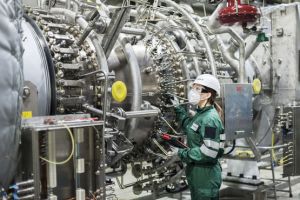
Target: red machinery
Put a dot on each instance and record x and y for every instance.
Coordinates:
(237, 12)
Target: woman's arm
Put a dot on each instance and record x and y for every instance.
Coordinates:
(208, 151)
(182, 116)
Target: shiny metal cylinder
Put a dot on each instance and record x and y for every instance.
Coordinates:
(141, 113)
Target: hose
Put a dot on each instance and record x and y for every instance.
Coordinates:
(232, 148)
(72, 151)
(135, 75)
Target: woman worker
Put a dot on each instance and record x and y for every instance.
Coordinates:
(205, 139)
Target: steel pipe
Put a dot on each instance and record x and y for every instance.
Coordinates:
(135, 75)
(184, 38)
(133, 31)
(199, 31)
(141, 113)
(241, 68)
(212, 21)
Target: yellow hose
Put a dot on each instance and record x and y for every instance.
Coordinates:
(273, 151)
(72, 151)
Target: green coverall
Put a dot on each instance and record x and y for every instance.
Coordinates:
(205, 139)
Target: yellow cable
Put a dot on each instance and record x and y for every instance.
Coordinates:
(273, 152)
(285, 159)
(285, 162)
(72, 151)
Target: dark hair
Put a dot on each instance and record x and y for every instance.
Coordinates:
(213, 96)
(212, 99)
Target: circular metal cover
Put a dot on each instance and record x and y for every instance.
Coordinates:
(38, 67)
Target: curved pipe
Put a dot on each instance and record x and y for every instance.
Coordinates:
(199, 31)
(136, 81)
(231, 61)
(184, 38)
(70, 15)
(251, 45)
(255, 67)
(227, 55)
(101, 58)
(134, 31)
(212, 21)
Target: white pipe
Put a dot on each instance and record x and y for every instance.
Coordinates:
(70, 15)
(135, 76)
(241, 42)
(227, 55)
(212, 21)
(251, 45)
(133, 31)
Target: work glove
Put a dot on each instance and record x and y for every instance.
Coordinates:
(173, 151)
(174, 100)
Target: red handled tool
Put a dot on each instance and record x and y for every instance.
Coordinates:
(173, 141)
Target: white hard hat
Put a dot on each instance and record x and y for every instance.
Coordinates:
(208, 81)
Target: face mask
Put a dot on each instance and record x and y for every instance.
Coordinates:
(194, 97)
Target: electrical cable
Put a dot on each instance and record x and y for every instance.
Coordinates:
(232, 148)
(72, 151)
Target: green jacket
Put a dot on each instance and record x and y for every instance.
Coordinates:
(205, 139)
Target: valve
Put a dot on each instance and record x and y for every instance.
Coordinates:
(235, 12)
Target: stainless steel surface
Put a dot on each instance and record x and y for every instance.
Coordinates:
(30, 100)
(199, 30)
(141, 114)
(158, 54)
(80, 165)
(35, 165)
(241, 68)
(80, 194)
(254, 148)
(243, 169)
(238, 110)
(117, 22)
(136, 82)
(36, 70)
(51, 168)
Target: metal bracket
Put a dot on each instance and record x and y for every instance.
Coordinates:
(114, 28)
(30, 98)
(253, 147)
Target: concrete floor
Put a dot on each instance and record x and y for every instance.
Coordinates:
(127, 194)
